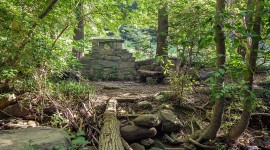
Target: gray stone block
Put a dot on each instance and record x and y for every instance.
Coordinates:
(132, 59)
(127, 65)
(112, 58)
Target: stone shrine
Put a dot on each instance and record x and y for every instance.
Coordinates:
(108, 61)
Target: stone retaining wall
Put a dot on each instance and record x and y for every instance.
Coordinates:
(108, 61)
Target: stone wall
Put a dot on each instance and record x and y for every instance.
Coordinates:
(108, 61)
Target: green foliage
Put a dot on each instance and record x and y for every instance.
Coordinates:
(263, 93)
(220, 146)
(72, 90)
(32, 146)
(159, 144)
(151, 81)
(57, 120)
(141, 42)
(190, 30)
(78, 142)
(180, 83)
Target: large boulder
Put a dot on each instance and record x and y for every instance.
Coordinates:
(169, 121)
(137, 146)
(147, 120)
(133, 132)
(39, 138)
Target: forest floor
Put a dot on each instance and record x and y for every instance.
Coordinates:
(194, 110)
(195, 107)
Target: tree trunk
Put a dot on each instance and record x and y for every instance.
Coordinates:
(216, 119)
(248, 73)
(162, 33)
(246, 22)
(110, 138)
(79, 32)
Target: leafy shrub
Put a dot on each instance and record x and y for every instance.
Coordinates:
(78, 142)
(72, 90)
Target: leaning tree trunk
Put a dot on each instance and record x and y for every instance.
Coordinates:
(110, 138)
(248, 73)
(216, 119)
(162, 44)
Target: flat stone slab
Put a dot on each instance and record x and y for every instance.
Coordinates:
(148, 73)
(109, 85)
(125, 99)
(40, 138)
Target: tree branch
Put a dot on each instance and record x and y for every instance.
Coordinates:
(41, 16)
(47, 10)
(58, 36)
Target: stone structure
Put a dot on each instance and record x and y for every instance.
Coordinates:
(109, 61)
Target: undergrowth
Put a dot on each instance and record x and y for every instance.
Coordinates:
(71, 104)
(180, 83)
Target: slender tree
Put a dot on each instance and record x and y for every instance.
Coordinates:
(162, 44)
(216, 119)
(248, 73)
(79, 31)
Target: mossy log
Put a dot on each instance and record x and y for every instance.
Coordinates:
(110, 138)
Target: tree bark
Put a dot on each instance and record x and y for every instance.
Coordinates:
(246, 22)
(162, 33)
(248, 73)
(110, 138)
(216, 119)
(79, 32)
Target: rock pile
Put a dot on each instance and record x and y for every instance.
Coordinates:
(146, 126)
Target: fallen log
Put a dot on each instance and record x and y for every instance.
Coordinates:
(110, 138)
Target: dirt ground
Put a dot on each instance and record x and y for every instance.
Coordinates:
(116, 88)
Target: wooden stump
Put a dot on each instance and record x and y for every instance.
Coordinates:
(110, 138)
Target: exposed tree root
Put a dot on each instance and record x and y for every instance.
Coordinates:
(260, 114)
(172, 139)
(200, 145)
